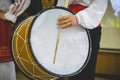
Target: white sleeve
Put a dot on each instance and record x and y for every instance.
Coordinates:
(92, 16)
(17, 9)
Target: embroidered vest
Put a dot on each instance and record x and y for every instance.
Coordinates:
(5, 39)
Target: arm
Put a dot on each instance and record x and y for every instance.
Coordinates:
(88, 18)
(16, 9)
(92, 16)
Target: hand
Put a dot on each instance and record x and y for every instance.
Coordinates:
(16, 9)
(2, 15)
(17, 6)
(67, 21)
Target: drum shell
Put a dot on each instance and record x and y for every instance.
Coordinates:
(24, 55)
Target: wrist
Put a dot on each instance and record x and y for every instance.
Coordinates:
(10, 17)
(76, 20)
(2, 16)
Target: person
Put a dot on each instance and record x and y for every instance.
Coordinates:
(38, 5)
(116, 7)
(9, 11)
(34, 8)
(88, 14)
(115, 16)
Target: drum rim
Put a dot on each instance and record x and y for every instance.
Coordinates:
(49, 72)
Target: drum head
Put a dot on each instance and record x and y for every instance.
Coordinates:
(71, 50)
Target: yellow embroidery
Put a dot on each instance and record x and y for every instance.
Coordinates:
(47, 3)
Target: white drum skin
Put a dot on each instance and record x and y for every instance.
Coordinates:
(73, 49)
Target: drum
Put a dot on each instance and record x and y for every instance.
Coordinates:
(43, 51)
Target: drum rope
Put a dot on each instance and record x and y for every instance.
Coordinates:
(59, 34)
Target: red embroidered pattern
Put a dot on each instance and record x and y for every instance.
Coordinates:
(5, 39)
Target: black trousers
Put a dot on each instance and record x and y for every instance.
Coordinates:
(88, 73)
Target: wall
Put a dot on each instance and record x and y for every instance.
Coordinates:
(110, 30)
(108, 61)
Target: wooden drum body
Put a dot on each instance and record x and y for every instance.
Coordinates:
(43, 52)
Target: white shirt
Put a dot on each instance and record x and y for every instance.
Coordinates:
(92, 15)
(12, 11)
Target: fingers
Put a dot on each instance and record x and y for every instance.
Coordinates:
(18, 6)
(65, 25)
(63, 20)
(67, 21)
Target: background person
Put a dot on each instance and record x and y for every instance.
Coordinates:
(9, 11)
